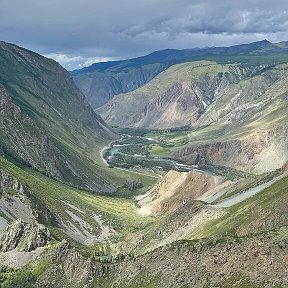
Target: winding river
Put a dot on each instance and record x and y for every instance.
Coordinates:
(115, 146)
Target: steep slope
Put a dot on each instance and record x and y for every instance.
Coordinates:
(234, 262)
(225, 263)
(248, 133)
(100, 82)
(100, 87)
(45, 121)
(198, 93)
(176, 97)
(23, 140)
(22, 242)
(256, 151)
(176, 188)
(232, 250)
(240, 110)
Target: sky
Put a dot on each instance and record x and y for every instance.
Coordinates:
(77, 33)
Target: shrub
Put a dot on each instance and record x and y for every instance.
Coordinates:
(133, 185)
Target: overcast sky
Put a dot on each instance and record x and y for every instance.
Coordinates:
(77, 33)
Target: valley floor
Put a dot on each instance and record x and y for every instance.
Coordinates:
(176, 224)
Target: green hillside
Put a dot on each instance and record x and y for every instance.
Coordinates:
(47, 124)
(192, 93)
(100, 82)
(72, 215)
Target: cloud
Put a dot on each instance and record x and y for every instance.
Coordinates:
(97, 30)
(76, 62)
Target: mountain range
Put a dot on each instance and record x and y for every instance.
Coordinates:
(100, 82)
(89, 192)
(237, 102)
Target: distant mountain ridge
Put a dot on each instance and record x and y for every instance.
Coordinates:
(100, 82)
(237, 103)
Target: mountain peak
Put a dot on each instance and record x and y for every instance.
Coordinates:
(264, 41)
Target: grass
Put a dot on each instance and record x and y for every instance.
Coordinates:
(265, 211)
(174, 139)
(143, 280)
(119, 213)
(157, 150)
(248, 183)
(16, 278)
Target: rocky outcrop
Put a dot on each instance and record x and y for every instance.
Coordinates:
(250, 261)
(176, 189)
(176, 97)
(18, 202)
(247, 98)
(23, 140)
(260, 152)
(9, 182)
(24, 236)
(71, 267)
(22, 242)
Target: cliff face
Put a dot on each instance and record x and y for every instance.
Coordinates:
(24, 237)
(176, 189)
(176, 97)
(200, 93)
(181, 105)
(14, 204)
(100, 82)
(46, 122)
(100, 87)
(260, 152)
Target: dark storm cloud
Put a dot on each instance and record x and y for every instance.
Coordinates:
(80, 32)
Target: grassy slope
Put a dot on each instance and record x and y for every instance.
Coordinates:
(239, 65)
(118, 212)
(265, 211)
(273, 114)
(46, 93)
(156, 87)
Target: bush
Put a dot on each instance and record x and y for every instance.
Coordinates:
(133, 185)
(14, 278)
